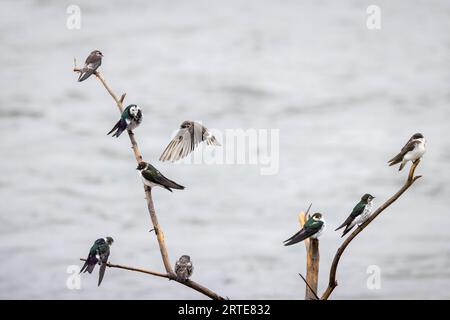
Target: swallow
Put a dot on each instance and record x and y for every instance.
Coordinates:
(360, 213)
(93, 61)
(130, 119)
(184, 268)
(152, 177)
(413, 150)
(98, 254)
(313, 228)
(186, 140)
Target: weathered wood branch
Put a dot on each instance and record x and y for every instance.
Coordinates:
(148, 194)
(312, 261)
(332, 283)
(189, 283)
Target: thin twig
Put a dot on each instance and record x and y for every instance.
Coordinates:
(332, 283)
(312, 290)
(148, 194)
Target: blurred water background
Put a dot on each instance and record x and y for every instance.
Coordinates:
(345, 99)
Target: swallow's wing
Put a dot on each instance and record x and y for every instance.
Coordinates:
(299, 236)
(347, 221)
(180, 146)
(409, 146)
(310, 228)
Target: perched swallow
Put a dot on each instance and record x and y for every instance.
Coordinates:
(313, 228)
(412, 151)
(99, 253)
(130, 119)
(152, 177)
(93, 61)
(184, 268)
(359, 214)
(186, 140)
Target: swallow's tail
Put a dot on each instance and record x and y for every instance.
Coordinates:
(397, 159)
(346, 223)
(120, 126)
(101, 273)
(347, 230)
(89, 265)
(84, 74)
(299, 236)
(402, 165)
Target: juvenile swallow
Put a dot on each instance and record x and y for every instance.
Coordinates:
(130, 119)
(184, 268)
(152, 177)
(359, 214)
(313, 228)
(186, 140)
(99, 253)
(93, 61)
(413, 150)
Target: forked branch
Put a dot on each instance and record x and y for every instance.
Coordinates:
(332, 283)
(151, 209)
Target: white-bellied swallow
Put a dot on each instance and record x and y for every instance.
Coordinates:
(189, 135)
(313, 228)
(93, 61)
(413, 150)
(153, 178)
(359, 214)
(130, 119)
(99, 253)
(184, 268)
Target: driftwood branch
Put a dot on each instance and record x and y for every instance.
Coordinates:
(189, 283)
(332, 283)
(151, 209)
(312, 261)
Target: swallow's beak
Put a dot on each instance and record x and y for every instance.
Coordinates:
(137, 168)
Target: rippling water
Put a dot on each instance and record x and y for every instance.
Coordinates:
(344, 98)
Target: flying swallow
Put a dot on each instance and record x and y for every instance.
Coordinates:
(359, 214)
(413, 150)
(130, 119)
(313, 228)
(93, 61)
(99, 253)
(186, 140)
(152, 177)
(184, 268)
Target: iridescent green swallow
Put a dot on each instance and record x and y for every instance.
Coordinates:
(153, 178)
(359, 214)
(313, 228)
(130, 119)
(99, 253)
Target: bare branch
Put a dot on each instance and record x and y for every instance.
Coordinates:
(312, 290)
(189, 283)
(332, 283)
(156, 227)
